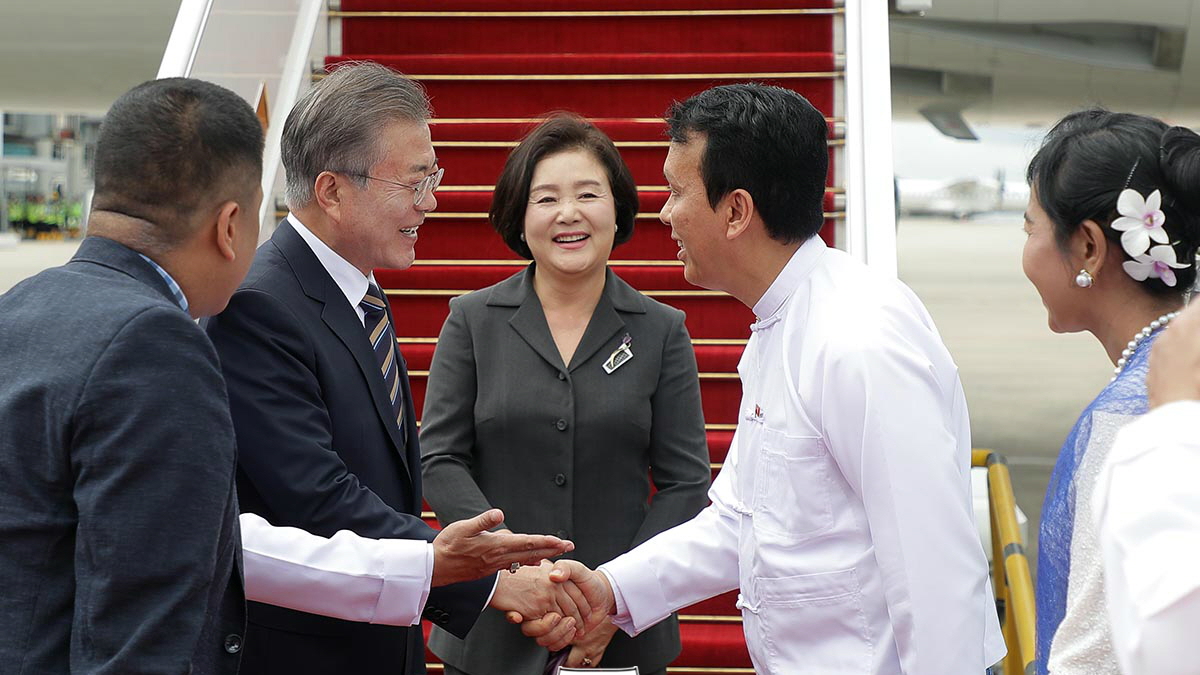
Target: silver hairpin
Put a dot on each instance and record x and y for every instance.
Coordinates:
(1130, 176)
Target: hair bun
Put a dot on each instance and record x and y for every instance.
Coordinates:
(1179, 161)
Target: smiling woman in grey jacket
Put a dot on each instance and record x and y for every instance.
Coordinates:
(557, 393)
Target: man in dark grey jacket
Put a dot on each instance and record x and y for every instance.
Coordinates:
(118, 519)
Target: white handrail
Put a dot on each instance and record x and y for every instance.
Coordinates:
(295, 72)
(185, 38)
(870, 181)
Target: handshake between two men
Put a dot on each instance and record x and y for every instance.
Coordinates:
(555, 603)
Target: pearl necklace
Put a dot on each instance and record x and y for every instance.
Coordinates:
(1160, 322)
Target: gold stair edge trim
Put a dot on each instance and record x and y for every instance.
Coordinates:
(613, 77)
(594, 120)
(703, 376)
(641, 216)
(619, 144)
(833, 190)
(671, 669)
(453, 262)
(442, 292)
(730, 342)
(582, 14)
(604, 77)
(707, 427)
(513, 144)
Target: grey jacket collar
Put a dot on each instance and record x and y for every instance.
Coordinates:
(117, 256)
(530, 322)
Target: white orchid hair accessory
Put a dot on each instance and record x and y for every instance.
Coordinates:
(1159, 263)
(1141, 222)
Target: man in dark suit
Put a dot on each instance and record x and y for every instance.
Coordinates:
(119, 536)
(326, 431)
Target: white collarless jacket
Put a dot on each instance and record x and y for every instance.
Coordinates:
(843, 512)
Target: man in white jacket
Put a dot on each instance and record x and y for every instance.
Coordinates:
(843, 512)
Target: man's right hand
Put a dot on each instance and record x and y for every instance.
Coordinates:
(595, 589)
(465, 550)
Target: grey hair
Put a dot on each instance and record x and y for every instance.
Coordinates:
(335, 126)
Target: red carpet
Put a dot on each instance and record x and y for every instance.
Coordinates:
(492, 68)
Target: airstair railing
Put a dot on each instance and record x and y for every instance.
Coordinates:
(180, 54)
(867, 161)
(1010, 567)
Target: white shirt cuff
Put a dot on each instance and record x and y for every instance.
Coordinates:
(621, 619)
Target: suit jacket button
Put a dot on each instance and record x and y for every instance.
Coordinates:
(560, 480)
(233, 643)
(561, 424)
(561, 376)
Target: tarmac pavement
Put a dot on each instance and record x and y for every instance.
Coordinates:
(1025, 385)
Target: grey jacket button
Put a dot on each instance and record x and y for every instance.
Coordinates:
(560, 480)
(233, 643)
(561, 376)
(561, 424)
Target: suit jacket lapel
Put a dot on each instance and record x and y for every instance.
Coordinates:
(528, 321)
(343, 322)
(604, 324)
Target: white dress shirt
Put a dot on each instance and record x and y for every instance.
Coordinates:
(384, 581)
(348, 278)
(1147, 513)
(843, 513)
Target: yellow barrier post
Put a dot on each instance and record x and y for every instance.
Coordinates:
(1010, 567)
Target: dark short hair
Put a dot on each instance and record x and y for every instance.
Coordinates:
(168, 147)
(336, 125)
(768, 141)
(558, 133)
(1090, 156)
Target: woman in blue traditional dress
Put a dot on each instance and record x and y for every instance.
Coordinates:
(1113, 225)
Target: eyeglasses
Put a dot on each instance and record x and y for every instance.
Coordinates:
(423, 188)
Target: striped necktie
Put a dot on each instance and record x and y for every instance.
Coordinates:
(383, 341)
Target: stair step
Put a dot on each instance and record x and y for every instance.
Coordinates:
(707, 646)
(641, 6)
(720, 393)
(660, 66)
(709, 358)
(480, 162)
(650, 202)
(630, 96)
(471, 277)
(514, 129)
(709, 315)
(631, 87)
(604, 32)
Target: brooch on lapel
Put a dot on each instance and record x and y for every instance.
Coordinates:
(620, 356)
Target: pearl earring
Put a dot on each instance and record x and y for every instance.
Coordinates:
(522, 236)
(1084, 279)
(616, 228)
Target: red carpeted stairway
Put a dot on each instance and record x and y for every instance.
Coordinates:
(491, 68)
